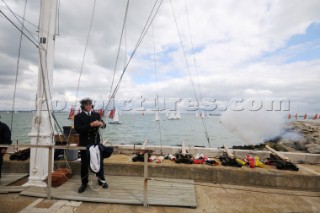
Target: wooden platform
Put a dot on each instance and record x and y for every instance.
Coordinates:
(125, 190)
(7, 179)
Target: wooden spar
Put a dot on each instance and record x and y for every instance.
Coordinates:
(285, 158)
(49, 174)
(230, 155)
(145, 175)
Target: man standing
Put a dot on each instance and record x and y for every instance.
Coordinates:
(5, 138)
(87, 124)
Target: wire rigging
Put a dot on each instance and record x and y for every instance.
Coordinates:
(157, 90)
(149, 21)
(35, 43)
(21, 22)
(196, 69)
(119, 46)
(85, 50)
(192, 48)
(188, 68)
(18, 65)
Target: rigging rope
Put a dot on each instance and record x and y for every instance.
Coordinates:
(18, 64)
(188, 68)
(35, 43)
(149, 21)
(21, 22)
(85, 50)
(157, 91)
(118, 52)
(196, 69)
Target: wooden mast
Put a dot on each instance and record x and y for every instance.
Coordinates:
(42, 124)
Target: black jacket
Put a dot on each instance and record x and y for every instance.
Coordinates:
(5, 134)
(87, 134)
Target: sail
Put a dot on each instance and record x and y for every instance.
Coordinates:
(71, 113)
(172, 116)
(289, 116)
(112, 112)
(197, 114)
(178, 115)
(315, 117)
(101, 112)
(305, 116)
(157, 118)
(116, 116)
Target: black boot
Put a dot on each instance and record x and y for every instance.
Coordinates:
(82, 188)
(104, 185)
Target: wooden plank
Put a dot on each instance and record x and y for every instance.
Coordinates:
(125, 190)
(145, 175)
(9, 178)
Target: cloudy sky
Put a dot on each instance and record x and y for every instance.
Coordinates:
(230, 49)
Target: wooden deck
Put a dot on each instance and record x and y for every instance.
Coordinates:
(7, 179)
(125, 190)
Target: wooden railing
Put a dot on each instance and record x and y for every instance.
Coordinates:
(116, 150)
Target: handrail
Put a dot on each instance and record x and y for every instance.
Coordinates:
(117, 149)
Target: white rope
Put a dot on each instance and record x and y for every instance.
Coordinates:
(85, 50)
(18, 65)
(188, 68)
(149, 21)
(157, 90)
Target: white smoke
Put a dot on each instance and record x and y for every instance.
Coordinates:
(254, 127)
(293, 136)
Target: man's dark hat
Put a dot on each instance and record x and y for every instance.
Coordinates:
(86, 101)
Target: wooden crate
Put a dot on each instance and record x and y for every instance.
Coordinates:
(60, 176)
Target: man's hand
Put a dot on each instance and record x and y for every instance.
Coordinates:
(96, 124)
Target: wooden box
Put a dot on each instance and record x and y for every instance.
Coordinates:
(60, 176)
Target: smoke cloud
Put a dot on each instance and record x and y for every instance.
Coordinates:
(254, 127)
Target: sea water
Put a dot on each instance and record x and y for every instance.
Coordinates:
(136, 128)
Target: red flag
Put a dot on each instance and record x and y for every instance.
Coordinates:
(305, 116)
(289, 116)
(296, 116)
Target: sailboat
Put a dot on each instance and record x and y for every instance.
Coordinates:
(315, 117)
(100, 111)
(71, 113)
(114, 115)
(157, 117)
(203, 114)
(178, 115)
(174, 115)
